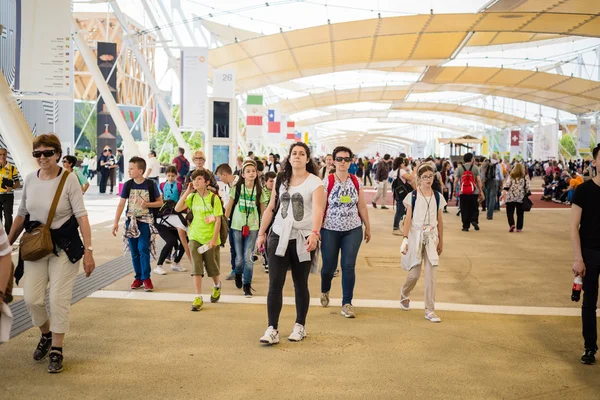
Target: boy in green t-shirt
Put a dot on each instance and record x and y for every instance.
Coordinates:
(203, 231)
(246, 205)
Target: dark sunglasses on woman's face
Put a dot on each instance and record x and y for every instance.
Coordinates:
(340, 159)
(45, 153)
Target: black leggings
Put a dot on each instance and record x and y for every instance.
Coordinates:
(171, 238)
(591, 258)
(510, 214)
(278, 267)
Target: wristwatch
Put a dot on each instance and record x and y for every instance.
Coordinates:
(90, 249)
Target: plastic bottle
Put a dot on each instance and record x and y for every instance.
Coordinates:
(203, 249)
(577, 284)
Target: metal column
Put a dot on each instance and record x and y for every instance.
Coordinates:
(149, 77)
(111, 105)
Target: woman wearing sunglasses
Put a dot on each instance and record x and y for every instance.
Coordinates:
(58, 270)
(345, 213)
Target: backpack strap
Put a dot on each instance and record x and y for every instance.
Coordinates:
(330, 184)
(151, 190)
(236, 199)
(414, 201)
(355, 181)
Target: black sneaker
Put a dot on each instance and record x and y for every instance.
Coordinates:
(43, 348)
(254, 258)
(475, 225)
(374, 205)
(266, 269)
(588, 357)
(56, 362)
(238, 281)
(248, 290)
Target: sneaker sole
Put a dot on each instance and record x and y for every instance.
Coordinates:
(196, 308)
(214, 299)
(268, 343)
(248, 296)
(295, 341)
(148, 290)
(348, 315)
(158, 273)
(435, 322)
(43, 358)
(55, 371)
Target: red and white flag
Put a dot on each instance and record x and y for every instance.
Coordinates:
(515, 138)
(291, 125)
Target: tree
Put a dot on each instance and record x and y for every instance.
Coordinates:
(567, 146)
(82, 112)
(165, 144)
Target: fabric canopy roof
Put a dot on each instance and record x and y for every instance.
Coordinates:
(461, 140)
(419, 40)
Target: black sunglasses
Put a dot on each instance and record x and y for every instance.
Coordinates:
(45, 153)
(340, 159)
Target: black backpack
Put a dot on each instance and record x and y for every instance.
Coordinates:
(400, 189)
(490, 172)
(436, 185)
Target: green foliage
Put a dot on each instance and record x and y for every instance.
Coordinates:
(567, 146)
(164, 141)
(81, 114)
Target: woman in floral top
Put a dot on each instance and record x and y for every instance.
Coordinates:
(515, 188)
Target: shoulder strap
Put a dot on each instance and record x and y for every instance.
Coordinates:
(151, 190)
(236, 200)
(355, 181)
(330, 184)
(413, 202)
(437, 200)
(57, 195)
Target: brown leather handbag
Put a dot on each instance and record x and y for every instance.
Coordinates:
(37, 244)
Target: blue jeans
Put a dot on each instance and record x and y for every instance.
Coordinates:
(349, 243)
(244, 247)
(140, 252)
(491, 192)
(570, 195)
(400, 211)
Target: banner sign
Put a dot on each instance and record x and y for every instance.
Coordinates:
(254, 117)
(545, 142)
(515, 144)
(583, 135)
(224, 83)
(106, 129)
(44, 46)
(194, 82)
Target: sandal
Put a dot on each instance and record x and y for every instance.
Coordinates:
(403, 306)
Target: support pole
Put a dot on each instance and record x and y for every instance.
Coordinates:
(111, 105)
(149, 77)
(173, 64)
(15, 131)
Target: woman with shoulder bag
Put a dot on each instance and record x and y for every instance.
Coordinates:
(58, 269)
(516, 189)
(294, 237)
(345, 212)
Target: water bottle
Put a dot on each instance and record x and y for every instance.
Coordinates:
(577, 284)
(203, 249)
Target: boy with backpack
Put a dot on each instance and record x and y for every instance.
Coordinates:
(230, 179)
(492, 181)
(204, 233)
(140, 195)
(468, 181)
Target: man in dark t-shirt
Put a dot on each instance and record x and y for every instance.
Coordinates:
(585, 238)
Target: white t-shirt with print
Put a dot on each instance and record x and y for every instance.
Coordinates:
(296, 203)
(342, 217)
(425, 209)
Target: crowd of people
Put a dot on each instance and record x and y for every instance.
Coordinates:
(300, 214)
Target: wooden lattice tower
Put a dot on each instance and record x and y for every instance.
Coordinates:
(133, 88)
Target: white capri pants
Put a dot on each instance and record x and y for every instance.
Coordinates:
(59, 274)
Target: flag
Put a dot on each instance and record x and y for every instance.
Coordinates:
(131, 116)
(515, 138)
(305, 137)
(274, 122)
(298, 136)
(254, 116)
(290, 130)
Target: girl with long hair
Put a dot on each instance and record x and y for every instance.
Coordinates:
(296, 210)
(446, 183)
(516, 187)
(423, 239)
(247, 204)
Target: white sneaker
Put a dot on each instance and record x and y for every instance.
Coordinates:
(271, 336)
(159, 270)
(298, 333)
(432, 317)
(177, 268)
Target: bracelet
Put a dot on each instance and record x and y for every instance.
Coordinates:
(261, 234)
(315, 232)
